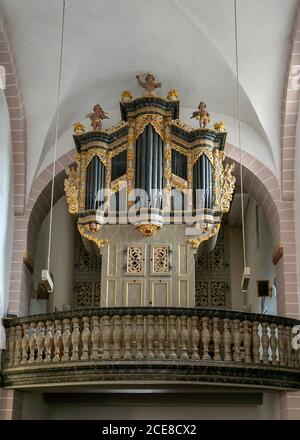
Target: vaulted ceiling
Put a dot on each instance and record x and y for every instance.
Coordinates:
(188, 45)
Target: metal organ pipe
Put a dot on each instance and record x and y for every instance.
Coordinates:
(149, 165)
(95, 178)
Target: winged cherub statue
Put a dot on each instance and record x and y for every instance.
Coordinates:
(149, 83)
(96, 117)
(202, 115)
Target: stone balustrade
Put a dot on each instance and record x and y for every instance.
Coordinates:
(210, 345)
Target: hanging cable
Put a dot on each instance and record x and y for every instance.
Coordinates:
(239, 131)
(56, 133)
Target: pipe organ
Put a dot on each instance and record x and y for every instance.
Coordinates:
(150, 192)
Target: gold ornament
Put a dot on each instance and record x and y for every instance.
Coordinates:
(173, 95)
(78, 128)
(126, 96)
(156, 121)
(220, 127)
(196, 242)
(227, 183)
(148, 229)
(71, 186)
(82, 230)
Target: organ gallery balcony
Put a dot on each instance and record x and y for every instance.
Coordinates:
(122, 345)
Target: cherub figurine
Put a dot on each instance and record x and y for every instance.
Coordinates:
(202, 115)
(96, 117)
(149, 84)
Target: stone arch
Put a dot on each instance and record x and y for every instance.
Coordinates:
(289, 114)
(264, 187)
(16, 110)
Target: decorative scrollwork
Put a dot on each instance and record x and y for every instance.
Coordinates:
(208, 234)
(160, 259)
(88, 235)
(135, 259)
(156, 121)
(148, 229)
(102, 154)
(227, 186)
(198, 151)
(71, 186)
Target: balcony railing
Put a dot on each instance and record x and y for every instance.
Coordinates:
(151, 344)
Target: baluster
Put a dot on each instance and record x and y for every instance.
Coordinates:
(255, 342)
(75, 339)
(273, 341)
(66, 339)
(205, 338)
(85, 338)
(95, 337)
(48, 341)
(57, 340)
(161, 336)
(227, 341)
(289, 349)
(150, 336)
(195, 336)
(281, 345)
(25, 344)
(12, 335)
(106, 337)
(139, 335)
(40, 342)
(184, 337)
(236, 341)
(216, 339)
(18, 350)
(116, 337)
(32, 343)
(128, 337)
(265, 343)
(247, 342)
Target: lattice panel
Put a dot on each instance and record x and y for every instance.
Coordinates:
(85, 259)
(87, 276)
(84, 293)
(218, 294)
(161, 257)
(201, 294)
(97, 294)
(217, 259)
(202, 263)
(135, 260)
(212, 274)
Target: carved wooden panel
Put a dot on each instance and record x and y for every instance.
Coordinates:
(201, 294)
(135, 260)
(160, 258)
(218, 294)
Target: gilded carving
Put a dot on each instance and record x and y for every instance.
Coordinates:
(102, 154)
(148, 229)
(84, 232)
(78, 128)
(227, 187)
(178, 182)
(156, 121)
(173, 95)
(219, 126)
(198, 151)
(126, 96)
(213, 231)
(71, 186)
